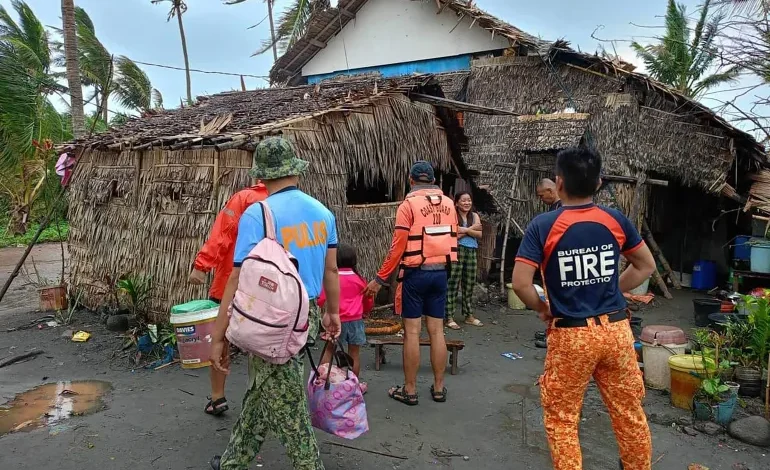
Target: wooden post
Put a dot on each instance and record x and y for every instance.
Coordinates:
(507, 229)
(767, 389)
(659, 253)
(215, 185)
(137, 177)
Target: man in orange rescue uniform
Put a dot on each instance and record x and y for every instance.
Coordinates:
(217, 254)
(577, 248)
(424, 245)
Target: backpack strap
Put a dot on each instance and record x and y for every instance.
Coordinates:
(268, 221)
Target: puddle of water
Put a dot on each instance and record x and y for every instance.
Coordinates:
(50, 404)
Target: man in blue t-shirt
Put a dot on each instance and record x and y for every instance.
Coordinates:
(275, 401)
(577, 249)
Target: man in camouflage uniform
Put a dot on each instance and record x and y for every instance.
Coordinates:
(275, 401)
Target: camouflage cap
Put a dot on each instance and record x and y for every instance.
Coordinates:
(274, 158)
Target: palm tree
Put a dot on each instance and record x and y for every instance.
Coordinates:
(270, 3)
(27, 116)
(178, 8)
(684, 56)
(133, 88)
(73, 71)
(292, 25)
(108, 76)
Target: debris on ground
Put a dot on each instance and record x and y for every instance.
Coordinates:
(512, 356)
(81, 336)
(20, 357)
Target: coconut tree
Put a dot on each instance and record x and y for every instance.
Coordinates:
(100, 71)
(133, 88)
(69, 28)
(270, 4)
(178, 8)
(292, 24)
(685, 56)
(27, 116)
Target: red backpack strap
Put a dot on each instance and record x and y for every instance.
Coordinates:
(268, 221)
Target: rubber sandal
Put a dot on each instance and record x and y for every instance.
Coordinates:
(217, 407)
(397, 393)
(439, 397)
(452, 325)
(475, 322)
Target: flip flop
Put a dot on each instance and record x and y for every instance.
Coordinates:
(474, 322)
(399, 394)
(216, 407)
(439, 397)
(452, 325)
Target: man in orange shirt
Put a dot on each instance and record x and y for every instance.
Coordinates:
(217, 254)
(423, 249)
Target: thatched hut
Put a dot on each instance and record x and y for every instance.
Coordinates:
(144, 195)
(643, 130)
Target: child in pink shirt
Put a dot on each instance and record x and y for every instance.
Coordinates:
(353, 306)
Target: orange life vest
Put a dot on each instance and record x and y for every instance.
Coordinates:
(433, 233)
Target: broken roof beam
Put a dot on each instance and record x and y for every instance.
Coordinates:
(614, 178)
(459, 105)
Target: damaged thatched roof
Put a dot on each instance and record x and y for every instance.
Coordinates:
(325, 24)
(547, 132)
(453, 84)
(230, 117)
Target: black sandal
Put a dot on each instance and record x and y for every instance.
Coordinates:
(399, 394)
(217, 407)
(439, 397)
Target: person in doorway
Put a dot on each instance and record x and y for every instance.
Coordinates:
(275, 400)
(425, 246)
(217, 255)
(546, 191)
(465, 270)
(578, 248)
(353, 306)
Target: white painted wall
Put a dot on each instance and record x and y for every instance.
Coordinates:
(395, 31)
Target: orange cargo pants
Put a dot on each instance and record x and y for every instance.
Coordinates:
(604, 351)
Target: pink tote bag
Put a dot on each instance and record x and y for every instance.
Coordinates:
(335, 400)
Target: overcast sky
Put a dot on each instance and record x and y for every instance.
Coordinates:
(218, 37)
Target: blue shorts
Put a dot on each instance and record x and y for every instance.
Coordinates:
(353, 333)
(423, 293)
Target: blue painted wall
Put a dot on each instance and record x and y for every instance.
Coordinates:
(442, 65)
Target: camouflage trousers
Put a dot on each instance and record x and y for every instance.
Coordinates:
(275, 403)
(604, 351)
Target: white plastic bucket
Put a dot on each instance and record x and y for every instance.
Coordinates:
(642, 289)
(657, 373)
(193, 336)
(514, 302)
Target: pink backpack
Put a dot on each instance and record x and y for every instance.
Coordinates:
(269, 313)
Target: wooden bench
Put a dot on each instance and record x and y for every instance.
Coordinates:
(452, 345)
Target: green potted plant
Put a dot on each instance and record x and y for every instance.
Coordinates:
(714, 400)
(755, 347)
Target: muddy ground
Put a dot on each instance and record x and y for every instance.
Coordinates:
(154, 419)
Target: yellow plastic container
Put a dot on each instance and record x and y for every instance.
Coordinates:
(514, 302)
(683, 383)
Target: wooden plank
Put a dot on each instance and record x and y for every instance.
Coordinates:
(507, 229)
(459, 105)
(398, 340)
(617, 178)
(659, 253)
(318, 43)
